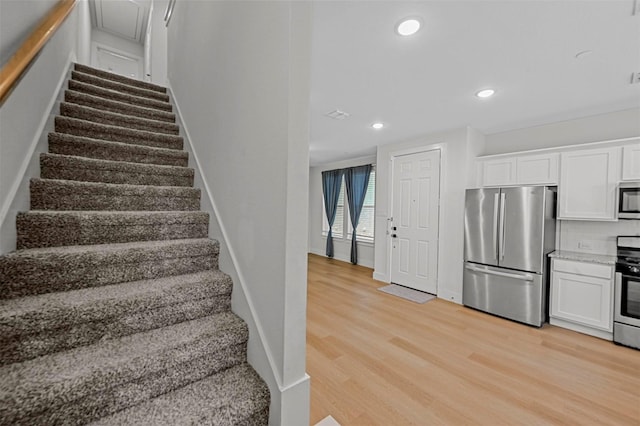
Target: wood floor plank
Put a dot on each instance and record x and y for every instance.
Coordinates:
(376, 359)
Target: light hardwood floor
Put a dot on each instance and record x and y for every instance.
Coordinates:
(375, 359)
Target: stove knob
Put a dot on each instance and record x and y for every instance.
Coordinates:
(634, 269)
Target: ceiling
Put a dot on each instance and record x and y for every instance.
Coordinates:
(425, 83)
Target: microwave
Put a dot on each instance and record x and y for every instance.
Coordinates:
(629, 200)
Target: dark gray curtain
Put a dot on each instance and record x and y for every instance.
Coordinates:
(356, 180)
(331, 182)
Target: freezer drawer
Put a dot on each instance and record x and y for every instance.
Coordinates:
(519, 296)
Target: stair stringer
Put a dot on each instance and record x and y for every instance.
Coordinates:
(17, 199)
(259, 353)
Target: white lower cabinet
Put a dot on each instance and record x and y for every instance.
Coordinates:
(582, 297)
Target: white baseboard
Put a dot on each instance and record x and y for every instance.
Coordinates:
(321, 252)
(581, 328)
(451, 296)
(379, 276)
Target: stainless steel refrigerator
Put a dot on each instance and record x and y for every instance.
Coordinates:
(508, 234)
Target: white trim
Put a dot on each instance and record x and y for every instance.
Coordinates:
(580, 328)
(321, 252)
(36, 140)
(261, 334)
(381, 277)
(563, 148)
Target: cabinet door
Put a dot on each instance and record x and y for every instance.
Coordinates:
(537, 169)
(631, 162)
(587, 188)
(499, 172)
(582, 299)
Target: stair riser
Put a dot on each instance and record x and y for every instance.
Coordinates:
(117, 107)
(111, 176)
(179, 370)
(113, 119)
(119, 87)
(119, 78)
(135, 319)
(90, 89)
(115, 152)
(69, 201)
(30, 278)
(117, 134)
(35, 236)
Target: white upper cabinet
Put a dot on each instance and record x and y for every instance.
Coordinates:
(520, 170)
(588, 182)
(631, 162)
(537, 169)
(499, 172)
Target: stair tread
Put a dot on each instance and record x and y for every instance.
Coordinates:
(118, 87)
(227, 398)
(58, 378)
(61, 160)
(119, 218)
(109, 75)
(117, 133)
(104, 93)
(38, 313)
(98, 149)
(80, 98)
(95, 115)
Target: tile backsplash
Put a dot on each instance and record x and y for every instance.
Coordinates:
(594, 237)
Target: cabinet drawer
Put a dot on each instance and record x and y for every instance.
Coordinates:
(582, 268)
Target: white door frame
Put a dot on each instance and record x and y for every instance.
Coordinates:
(409, 151)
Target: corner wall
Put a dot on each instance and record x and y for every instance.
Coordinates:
(25, 116)
(458, 151)
(244, 98)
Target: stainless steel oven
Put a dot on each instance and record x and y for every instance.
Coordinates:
(626, 311)
(629, 200)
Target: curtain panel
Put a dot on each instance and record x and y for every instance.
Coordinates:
(331, 181)
(356, 181)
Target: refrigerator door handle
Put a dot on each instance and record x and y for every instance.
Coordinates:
(523, 277)
(501, 227)
(495, 225)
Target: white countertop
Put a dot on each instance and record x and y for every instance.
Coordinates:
(604, 259)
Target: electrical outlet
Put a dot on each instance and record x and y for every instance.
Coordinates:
(585, 245)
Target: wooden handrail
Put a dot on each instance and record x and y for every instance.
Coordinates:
(16, 66)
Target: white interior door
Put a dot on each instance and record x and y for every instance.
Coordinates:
(414, 228)
(117, 62)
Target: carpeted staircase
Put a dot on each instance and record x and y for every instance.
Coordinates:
(112, 308)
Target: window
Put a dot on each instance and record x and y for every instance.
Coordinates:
(342, 224)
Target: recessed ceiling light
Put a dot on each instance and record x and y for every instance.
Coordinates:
(485, 93)
(408, 26)
(377, 125)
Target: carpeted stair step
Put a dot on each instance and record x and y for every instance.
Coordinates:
(98, 91)
(65, 144)
(119, 87)
(90, 382)
(51, 228)
(102, 104)
(77, 127)
(119, 78)
(39, 325)
(115, 119)
(47, 270)
(236, 396)
(52, 194)
(55, 166)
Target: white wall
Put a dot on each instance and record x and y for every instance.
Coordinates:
(156, 43)
(614, 125)
(244, 99)
(318, 242)
(458, 151)
(25, 117)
